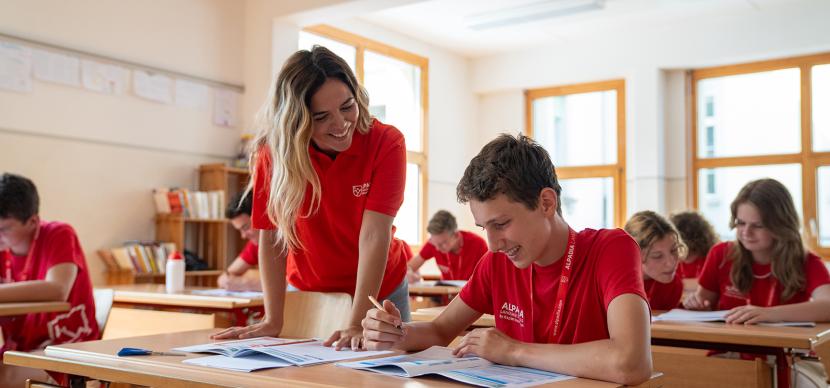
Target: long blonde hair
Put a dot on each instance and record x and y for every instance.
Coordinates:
(285, 129)
(648, 227)
(778, 214)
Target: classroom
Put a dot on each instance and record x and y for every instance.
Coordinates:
(140, 142)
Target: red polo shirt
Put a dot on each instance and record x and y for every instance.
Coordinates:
(691, 270)
(606, 264)
(664, 296)
(457, 266)
(250, 254)
(765, 290)
(370, 175)
(56, 243)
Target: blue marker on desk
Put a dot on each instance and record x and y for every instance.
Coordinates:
(125, 352)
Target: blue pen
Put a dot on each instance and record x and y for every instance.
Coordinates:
(124, 352)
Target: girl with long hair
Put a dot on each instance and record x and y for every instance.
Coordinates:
(661, 249)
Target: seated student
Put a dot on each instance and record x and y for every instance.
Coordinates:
(241, 275)
(660, 250)
(594, 324)
(455, 251)
(41, 261)
(699, 236)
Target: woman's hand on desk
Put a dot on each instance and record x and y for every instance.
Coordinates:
(260, 329)
(350, 337)
(696, 302)
(750, 314)
(382, 329)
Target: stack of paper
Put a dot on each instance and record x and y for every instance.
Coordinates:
(471, 370)
(269, 352)
(681, 315)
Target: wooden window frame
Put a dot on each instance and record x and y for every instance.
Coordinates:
(809, 160)
(361, 44)
(615, 171)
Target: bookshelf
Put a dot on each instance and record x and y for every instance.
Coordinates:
(214, 240)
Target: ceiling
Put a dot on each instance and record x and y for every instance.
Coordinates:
(442, 22)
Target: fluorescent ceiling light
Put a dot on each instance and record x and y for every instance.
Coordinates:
(531, 12)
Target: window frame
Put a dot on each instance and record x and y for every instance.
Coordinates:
(361, 44)
(615, 171)
(808, 159)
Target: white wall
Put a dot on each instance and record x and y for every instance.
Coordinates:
(94, 157)
(644, 56)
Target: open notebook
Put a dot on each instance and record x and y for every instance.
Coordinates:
(269, 352)
(681, 315)
(471, 370)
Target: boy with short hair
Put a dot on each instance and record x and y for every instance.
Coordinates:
(242, 274)
(564, 301)
(455, 251)
(41, 261)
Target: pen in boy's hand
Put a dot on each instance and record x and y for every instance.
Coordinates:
(380, 307)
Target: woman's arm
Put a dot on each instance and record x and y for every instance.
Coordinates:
(702, 299)
(817, 309)
(373, 250)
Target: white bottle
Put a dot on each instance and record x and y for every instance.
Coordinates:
(174, 275)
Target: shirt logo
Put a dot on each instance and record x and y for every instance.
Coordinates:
(360, 190)
(732, 292)
(512, 312)
(69, 327)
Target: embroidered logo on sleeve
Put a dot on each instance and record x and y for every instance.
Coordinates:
(360, 190)
(69, 327)
(512, 312)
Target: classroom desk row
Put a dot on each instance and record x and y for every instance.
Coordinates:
(10, 309)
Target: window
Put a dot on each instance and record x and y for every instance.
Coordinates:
(763, 120)
(583, 129)
(397, 84)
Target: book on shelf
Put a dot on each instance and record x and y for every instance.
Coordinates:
(268, 352)
(139, 257)
(208, 205)
(440, 361)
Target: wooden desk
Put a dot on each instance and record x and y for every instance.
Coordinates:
(430, 289)
(97, 360)
(8, 309)
(156, 296)
(430, 313)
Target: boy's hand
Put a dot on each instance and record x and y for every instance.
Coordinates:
(381, 327)
(490, 344)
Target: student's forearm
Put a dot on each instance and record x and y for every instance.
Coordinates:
(422, 335)
(814, 310)
(31, 291)
(371, 266)
(607, 360)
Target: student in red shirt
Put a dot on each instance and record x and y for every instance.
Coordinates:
(660, 250)
(766, 274)
(564, 301)
(456, 251)
(699, 236)
(41, 261)
(328, 181)
(242, 274)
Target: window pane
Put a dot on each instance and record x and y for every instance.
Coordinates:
(726, 182)
(577, 129)
(408, 220)
(821, 100)
(749, 114)
(823, 184)
(395, 95)
(345, 51)
(588, 202)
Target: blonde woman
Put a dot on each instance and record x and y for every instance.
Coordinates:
(328, 181)
(661, 249)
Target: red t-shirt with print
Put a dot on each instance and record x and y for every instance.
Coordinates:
(765, 290)
(606, 264)
(664, 296)
(250, 254)
(691, 270)
(56, 243)
(457, 266)
(370, 175)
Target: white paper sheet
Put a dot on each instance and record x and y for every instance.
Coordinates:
(56, 67)
(225, 107)
(104, 78)
(239, 364)
(681, 315)
(300, 353)
(223, 292)
(15, 67)
(192, 95)
(154, 87)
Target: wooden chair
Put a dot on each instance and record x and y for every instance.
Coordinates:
(39, 384)
(315, 314)
(125, 322)
(103, 305)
